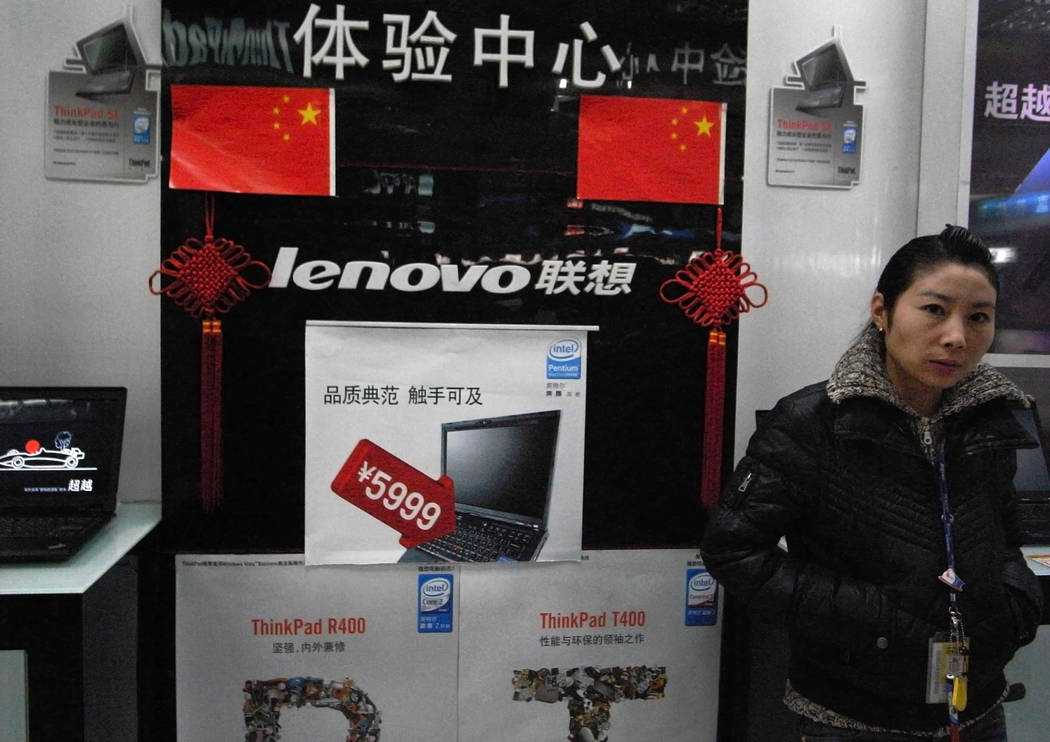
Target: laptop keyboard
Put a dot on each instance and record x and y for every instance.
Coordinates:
(42, 526)
(481, 541)
(116, 81)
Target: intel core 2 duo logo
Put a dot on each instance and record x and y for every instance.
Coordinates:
(564, 359)
(435, 593)
(434, 608)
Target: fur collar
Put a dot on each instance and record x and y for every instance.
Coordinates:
(861, 372)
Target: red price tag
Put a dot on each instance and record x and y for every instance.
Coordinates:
(402, 497)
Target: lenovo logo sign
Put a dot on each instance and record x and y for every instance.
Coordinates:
(374, 275)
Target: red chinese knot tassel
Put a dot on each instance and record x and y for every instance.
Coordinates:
(714, 416)
(211, 414)
(712, 291)
(207, 278)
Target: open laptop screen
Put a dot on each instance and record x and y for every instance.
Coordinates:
(502, 465)
(60, 445)
(110, 49)
(1032, 480)
(825, 65)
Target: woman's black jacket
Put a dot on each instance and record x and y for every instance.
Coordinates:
(849, 487)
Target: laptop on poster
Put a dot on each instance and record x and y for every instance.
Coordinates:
(502, 468)
(60, 451)
(111, 56)
(826, 77)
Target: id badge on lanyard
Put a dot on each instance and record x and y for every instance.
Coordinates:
(949, 655)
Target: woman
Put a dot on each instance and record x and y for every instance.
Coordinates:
(891, 485)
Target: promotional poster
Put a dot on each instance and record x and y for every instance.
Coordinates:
(815, 123)
(1010, 167)
(103, 110)
(623, 645)
(417, 433)
(620, 645)
(268, 649)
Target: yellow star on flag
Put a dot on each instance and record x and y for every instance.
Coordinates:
(257, 128)
(649, 149)
(309, 114)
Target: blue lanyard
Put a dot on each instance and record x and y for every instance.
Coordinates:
(953, 581)
(949, 577)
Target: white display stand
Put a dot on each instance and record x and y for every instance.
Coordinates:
(130, 525)
(78, 620)
(14, 712)
(1041, 570)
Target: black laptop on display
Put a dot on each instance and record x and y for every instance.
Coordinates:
(502, 469)
(1032, 480)
(60, 451)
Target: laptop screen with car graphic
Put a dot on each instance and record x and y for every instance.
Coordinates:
(60, 451)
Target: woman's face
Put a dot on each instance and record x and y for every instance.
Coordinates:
(937, 332)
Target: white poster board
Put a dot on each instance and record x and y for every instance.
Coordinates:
(623, 645)
(815, 123)
(395, 387)
(263, 640)
(103, 111)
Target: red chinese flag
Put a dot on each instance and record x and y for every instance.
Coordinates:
(244, 139)
(650, 149)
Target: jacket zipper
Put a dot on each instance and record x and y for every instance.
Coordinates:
(925, 430)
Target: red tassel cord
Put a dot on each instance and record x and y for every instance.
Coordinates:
(714, 415)
(211, 414)
(207, 279)
(712, 291)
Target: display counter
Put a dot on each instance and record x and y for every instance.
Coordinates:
(1038, 559)
(75, 623)
(130, 525)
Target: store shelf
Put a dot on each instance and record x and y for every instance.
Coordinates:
(1040, 568)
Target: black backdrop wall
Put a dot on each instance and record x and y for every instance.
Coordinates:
(461, 172)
